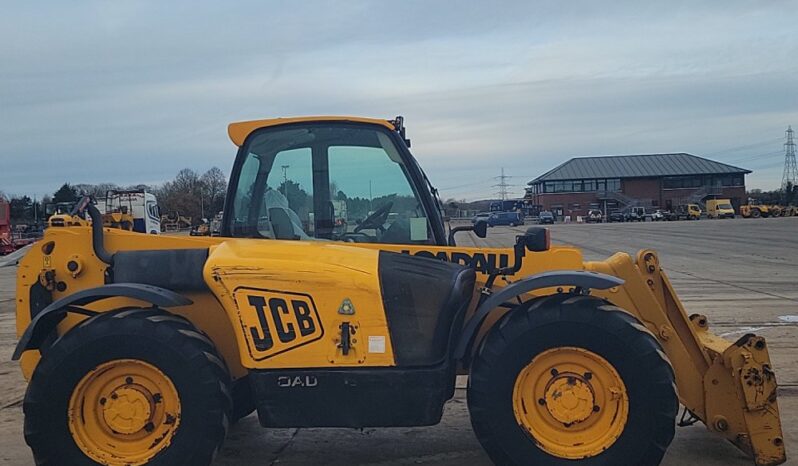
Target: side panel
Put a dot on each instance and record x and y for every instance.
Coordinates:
(361, 397)
(75, 244)
(483, 259)
(292, 301)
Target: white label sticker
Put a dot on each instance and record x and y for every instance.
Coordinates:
(376, 344)
(418, 229)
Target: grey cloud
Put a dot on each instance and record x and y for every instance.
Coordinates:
(134, 91)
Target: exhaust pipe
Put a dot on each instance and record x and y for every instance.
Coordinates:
(97, 238)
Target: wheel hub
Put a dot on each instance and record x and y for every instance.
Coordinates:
(124, 412)
(569, 399)
(127, 410)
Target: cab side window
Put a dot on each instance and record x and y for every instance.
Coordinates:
(341, 183)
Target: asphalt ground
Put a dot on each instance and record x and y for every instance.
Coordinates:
(741, 273)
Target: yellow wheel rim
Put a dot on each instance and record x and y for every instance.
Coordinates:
(124, 412)
(572, 401)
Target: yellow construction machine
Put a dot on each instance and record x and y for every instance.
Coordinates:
(73, 214)
(173, 221)
(141, 349)
(63, 214)
(755, 209)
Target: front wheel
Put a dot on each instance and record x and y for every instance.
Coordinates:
(128, 387)
(572, 378)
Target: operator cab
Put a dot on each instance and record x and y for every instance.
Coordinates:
(335, 180)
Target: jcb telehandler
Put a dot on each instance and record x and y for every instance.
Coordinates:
(142, 349)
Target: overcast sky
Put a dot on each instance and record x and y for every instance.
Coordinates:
(131, 92)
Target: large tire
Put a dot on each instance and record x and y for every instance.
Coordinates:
(756, 213)
(126, 341)
(547, 326)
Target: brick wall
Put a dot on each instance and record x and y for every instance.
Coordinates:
(640, 188)
(643, 188)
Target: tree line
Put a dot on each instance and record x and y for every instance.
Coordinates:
(189, 194)
(788, 196)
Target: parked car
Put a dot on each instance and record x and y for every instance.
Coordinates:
(688, 212)
(481, 216)
(594, 216)
(616, 217)
(640, 212)
(546, 217)
(633, 217)
(658, 215)
(505, 218)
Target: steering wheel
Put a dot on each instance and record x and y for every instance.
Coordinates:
(376, 219)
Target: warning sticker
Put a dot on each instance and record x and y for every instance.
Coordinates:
(376, 344)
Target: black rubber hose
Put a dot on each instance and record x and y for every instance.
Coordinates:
(97, 238)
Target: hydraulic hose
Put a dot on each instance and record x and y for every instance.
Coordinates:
(97, 238)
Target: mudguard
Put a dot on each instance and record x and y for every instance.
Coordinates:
(44, 322)
(576, 278)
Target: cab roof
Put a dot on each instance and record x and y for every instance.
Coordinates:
(239, 131)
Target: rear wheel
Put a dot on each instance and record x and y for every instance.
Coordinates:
(572, 378)
(128, 387)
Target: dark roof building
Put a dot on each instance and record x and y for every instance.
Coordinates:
(637, 166)
(619, 182)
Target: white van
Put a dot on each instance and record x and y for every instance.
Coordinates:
(142, 205)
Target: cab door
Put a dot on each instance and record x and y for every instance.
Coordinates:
(341, 182)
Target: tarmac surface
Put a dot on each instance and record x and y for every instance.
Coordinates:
(741, 273)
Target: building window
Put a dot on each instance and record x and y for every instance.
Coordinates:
(681, 182)
(578, 186)
(731, 180)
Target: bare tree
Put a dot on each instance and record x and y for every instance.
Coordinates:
(214, 187)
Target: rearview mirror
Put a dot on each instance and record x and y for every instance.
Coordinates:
(536, 239)
(480, 229)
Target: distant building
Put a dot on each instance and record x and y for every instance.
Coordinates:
(619, 182)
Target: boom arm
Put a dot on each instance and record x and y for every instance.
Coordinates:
(730, 386)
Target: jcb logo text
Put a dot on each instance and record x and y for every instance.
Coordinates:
(277, 321)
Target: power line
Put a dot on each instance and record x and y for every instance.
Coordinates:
(739, 148)
(754, 157)
(449, 188)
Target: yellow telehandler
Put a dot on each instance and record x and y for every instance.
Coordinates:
(141, 349)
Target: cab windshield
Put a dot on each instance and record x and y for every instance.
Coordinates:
(326, 182)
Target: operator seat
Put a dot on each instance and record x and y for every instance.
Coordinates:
(285, 223)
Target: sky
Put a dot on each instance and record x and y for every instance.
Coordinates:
(131, 92)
